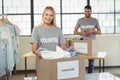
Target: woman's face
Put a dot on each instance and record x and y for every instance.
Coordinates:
(48, 16)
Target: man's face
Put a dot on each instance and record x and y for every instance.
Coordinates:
(87, 13)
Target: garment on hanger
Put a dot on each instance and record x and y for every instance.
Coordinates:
(2, 59)
(8, 46)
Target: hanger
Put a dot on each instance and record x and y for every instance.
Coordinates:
(6, 20)
(3, 19)
(3, 15)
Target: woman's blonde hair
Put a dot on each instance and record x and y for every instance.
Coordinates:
(54, 16)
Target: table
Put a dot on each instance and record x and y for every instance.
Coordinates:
(100, 61)
(30, 54)
(25, 56)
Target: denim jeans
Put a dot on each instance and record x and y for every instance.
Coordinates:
(91, 66)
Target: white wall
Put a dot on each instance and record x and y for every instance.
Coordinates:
(108, 43)
(24, 47)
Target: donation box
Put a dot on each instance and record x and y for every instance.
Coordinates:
(72, 68)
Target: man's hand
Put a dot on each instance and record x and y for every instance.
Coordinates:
(89, 31)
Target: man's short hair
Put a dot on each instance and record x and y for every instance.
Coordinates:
(88, 7)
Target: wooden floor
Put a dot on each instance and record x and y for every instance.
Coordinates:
(21, 75)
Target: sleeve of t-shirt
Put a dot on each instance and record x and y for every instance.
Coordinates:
(61, 38)
(34, 36)
(77, 24)
(97, 25)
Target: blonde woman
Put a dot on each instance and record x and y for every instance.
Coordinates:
(47, 35)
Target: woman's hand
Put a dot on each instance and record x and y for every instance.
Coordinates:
(38, 54)
(34, 50)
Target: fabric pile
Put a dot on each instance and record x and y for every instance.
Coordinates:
(59, 53)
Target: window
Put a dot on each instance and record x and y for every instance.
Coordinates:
(18, 12)
(38, 9)
(107, 14)
(117, 17)
(0, 7)
(67, 13)
(71, 11)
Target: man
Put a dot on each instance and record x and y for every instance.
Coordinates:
(89, 27)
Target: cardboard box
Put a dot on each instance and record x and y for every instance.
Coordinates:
(86, 47)
(61, 69)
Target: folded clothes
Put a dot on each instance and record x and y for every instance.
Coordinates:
(59, 53)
